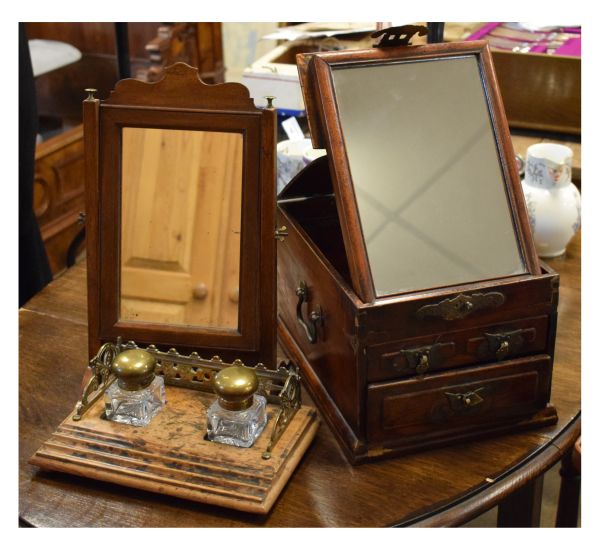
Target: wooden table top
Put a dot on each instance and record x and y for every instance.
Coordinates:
(446, 486)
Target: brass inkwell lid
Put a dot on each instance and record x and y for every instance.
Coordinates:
(235, 387)
(134, 369)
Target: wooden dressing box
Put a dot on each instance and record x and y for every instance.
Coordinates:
(423, 366)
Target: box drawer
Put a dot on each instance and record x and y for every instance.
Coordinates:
(490, 343)
(457, 400)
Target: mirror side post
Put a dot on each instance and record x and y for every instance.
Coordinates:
(268, 178)
(91, 118)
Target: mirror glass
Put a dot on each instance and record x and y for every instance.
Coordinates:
(423, 158)
(181, 196)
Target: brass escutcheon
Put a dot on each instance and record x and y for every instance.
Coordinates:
(458, 307)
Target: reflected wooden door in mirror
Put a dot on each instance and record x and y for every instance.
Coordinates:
(180, 194)
(180, 242)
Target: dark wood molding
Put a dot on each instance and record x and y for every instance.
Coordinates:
(491, 493)
(91, 112)
(59, 193)
(181, 88)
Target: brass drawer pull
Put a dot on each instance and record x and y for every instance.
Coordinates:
(418, 359)
(503, 349)
(460, 306)
(422, 363)
(460, 402)
(424, 358)
(502, 344)
(315, 317)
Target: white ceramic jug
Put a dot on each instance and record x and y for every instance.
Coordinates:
(553, 201)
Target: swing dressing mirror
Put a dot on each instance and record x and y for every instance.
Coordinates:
(180, 217)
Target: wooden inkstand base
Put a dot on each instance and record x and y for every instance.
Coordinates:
(172, 456)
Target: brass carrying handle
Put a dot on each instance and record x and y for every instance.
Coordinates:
(314, 318)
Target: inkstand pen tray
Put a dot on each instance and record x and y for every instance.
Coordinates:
(171, 455)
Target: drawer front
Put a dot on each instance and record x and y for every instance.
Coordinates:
(419, 356)
(454, 401)
(481, 304)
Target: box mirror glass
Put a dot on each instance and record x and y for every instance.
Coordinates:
(426, 173)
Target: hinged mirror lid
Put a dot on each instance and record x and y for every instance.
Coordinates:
(180, 200)
(422, 165)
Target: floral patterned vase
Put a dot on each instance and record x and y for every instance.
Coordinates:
(553, 201)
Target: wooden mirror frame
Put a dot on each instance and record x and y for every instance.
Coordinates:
(316, 78)
(181, 101)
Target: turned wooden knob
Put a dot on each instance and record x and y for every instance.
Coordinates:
(234, 295)
(200, 291)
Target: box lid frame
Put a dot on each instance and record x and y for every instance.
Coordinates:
(315, 70)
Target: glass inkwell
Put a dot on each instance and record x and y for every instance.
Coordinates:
(238, 416)
(137, 395)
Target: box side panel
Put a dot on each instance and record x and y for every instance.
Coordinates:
(333, 353)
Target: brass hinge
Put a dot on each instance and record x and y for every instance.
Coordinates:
(281, 233)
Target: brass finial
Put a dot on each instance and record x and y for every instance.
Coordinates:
(270, 99)
(134, 369)
(90, 92)
(235, 387)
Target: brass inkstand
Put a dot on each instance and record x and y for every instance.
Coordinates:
(280, 387)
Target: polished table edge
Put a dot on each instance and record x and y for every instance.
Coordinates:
(480, 500)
